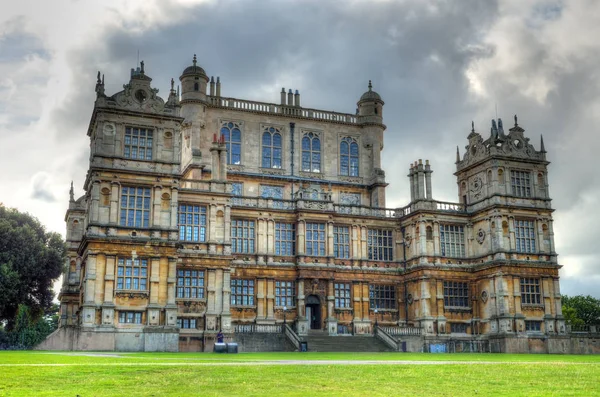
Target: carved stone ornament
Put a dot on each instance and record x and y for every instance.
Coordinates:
(480, 236)
(409, 299)
(484, 296)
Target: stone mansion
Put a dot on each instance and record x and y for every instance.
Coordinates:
(203, 213)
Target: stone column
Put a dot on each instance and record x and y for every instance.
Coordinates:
(329, 235)
(300, 248)
(422, 241)
(363, 243)
(519, 317)
(302, 324)
(212, 228)
(331, 319)
(511, 232)
(226, 312)
(540, 236)
(155, 221)
(355, 236)
(100, 271)
(109, 278)
(174, 207)
(436, 240)
(89, 306)
(260, 299)
(271, 299)
(95, 199)
(469, 240)
(270, 239)
(261, 246)
(114, 203)
(108, 306)
(171, 281)
(211, 324)
(227, 235)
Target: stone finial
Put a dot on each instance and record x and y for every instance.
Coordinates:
(472, 128)
(542, 147)
(370, 86)
(458, 152)
(194, 61)
(98, 81)
(142, 67)
(172, 84)
(516, 124)
(71, 193)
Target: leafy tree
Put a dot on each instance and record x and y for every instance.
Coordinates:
(581, 310)
(28, 332)
(31, 259)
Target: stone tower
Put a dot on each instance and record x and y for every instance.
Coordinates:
(370, 117)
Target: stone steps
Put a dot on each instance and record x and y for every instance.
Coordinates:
(325, 343)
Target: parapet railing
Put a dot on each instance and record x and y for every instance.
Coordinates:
(257, 328)
(253, 106)
(365, 211)
(583, 329)
(402, 331)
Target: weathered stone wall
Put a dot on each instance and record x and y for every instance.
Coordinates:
(262, 343)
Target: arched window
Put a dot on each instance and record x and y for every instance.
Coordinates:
(271, 148)
(349, 157)
(196, 87)
(311, 153)
(233, 140)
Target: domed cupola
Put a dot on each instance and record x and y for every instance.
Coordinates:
(193, 82)
(370, 106)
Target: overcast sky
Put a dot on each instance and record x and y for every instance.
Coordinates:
(437, 65)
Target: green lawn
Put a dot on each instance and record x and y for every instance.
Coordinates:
(253, 374)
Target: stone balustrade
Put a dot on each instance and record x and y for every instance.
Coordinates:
(295, 111)
(402, 331)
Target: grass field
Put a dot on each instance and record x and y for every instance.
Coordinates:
(296, 374)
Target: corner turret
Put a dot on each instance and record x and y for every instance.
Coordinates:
(194, 82)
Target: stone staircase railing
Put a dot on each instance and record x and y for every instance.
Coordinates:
(292, 336)
(386, 338)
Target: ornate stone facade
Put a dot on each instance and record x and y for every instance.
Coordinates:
(204, 213)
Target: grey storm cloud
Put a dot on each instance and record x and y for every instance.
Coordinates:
(421, 56)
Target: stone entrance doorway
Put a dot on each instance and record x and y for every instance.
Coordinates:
(313, 312)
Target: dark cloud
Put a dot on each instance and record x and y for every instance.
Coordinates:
(41, 185)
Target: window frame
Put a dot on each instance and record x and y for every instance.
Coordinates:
(520, 183)
(244, 244)
(456, 295)
(310, 155)
(129, 214)
(250, 294)
(378, 302)
(196, 285)
(270, 152)
(531, 291)
(288, 295)
(450, 245)
(352, 166)
(524, 243)
(342, 293)
(181, 321)
(126, 315)
(533, 326)
(129, 148)
(380, 245)
(141, 278)
(289, 244)
(228, 131)
(338, 231)
(192, 231)
(320, 243)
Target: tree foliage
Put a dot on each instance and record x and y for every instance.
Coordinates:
(581, 310)
(31, 259)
